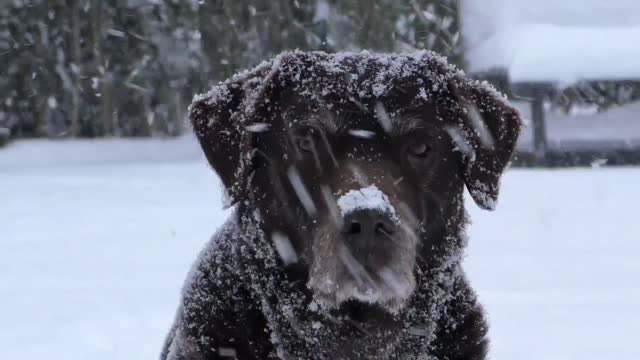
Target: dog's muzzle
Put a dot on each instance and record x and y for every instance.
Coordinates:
(371, 257)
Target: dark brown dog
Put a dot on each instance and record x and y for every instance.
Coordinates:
(347, 172)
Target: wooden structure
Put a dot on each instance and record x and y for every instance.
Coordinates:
(532, 49)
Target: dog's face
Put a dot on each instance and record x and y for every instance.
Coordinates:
(361, 187)
(357, 189)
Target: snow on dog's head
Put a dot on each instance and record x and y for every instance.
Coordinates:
(352, 161)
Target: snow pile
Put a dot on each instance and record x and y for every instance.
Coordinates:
(368, 198)
(541, 52)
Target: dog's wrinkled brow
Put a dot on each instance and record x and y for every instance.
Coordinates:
(332, 124)
(325, 122)
(406, 124)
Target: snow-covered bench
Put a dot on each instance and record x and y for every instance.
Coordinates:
(536, 46)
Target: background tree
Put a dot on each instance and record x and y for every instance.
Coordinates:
(91, 68)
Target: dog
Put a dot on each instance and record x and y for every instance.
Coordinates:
(347, 174)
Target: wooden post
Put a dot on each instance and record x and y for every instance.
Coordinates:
(4, 135)
(540, 146)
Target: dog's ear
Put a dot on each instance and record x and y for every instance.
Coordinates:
(488, 128)
(218, 132)
(223, 120)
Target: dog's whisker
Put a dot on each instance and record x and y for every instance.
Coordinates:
(397, 242)
(359, 273)
(404, 246)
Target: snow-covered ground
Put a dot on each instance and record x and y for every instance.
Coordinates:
(96, 238)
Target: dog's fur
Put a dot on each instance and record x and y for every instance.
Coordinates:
(297, 274)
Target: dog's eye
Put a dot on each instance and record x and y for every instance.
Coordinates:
(305, 139)
(418, 149)
(305, 143)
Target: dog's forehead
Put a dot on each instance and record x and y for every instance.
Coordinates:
(381, 119)
(360, 91)
(362, 75)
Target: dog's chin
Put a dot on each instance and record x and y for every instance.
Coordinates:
(363, 312)
(350, 296)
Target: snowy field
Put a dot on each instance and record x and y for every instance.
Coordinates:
(98, 236)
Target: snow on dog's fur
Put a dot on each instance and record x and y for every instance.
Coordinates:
(348, 233)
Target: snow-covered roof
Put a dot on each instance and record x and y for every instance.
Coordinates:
(550, 40)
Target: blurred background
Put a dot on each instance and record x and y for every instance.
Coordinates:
(105, 198)
(128, 68)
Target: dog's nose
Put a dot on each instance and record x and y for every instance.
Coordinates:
(367, 223)
(367, 231)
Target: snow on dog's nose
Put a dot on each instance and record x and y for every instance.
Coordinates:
(368, 223)
(368, 198)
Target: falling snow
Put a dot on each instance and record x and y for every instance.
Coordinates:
(364, 134)
(285, 249)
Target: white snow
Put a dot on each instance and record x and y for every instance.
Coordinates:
(370, 198)
(556, 264)
(98, 236)
(550, 40)
(301, 191)
(363, 134)
(461, 142)
(480, 127)
(96, 239)
(401, 286)
(383, 117)
(568, 54)
(257, 127)
(284, 247)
